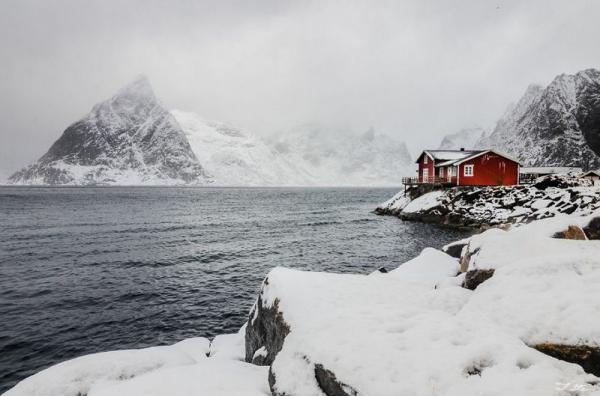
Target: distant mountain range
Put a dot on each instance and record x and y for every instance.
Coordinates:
(556, 125)
(131, 139)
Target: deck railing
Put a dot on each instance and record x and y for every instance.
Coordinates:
(429, 180)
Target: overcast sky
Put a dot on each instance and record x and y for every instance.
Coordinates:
(413, 69)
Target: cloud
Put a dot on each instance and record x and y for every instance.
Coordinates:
(413, 69)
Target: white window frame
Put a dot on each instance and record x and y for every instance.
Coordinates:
(425, 175)
(425, 159)
(471, 172)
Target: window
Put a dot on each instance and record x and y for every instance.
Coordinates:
(425, 159)
(468, 170)
(441, 172)
(425, 175)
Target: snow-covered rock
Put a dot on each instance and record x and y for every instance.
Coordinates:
(78, 376)
(229, 346)
(557, 125)
(129, 139)
(540, 287)
(431, 266)
(386, 335)
(181, 369)
(210, 377)
(393, 205)
(484, 206)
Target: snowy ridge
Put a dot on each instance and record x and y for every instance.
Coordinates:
(557, 125)
(234, 157)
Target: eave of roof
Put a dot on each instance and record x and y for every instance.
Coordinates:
(458, 162)
(592, 172)
(446, 155)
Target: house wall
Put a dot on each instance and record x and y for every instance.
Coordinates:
(422, 165)
(490, 170)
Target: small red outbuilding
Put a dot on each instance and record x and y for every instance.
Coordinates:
(467, 168)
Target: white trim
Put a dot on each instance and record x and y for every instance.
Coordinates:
(471, 167)
(486, 152)
(425, 172)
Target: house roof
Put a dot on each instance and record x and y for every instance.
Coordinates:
(550, 170)
(457, 157)
(447, 155)
(592, 173)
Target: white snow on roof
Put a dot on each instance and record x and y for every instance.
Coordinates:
(450, 154)
(592, 173)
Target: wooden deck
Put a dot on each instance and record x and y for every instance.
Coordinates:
(442, 181)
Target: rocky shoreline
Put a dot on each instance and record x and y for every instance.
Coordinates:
(483, 207)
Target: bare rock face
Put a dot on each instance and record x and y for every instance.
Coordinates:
(330, 385)
(127, 139)
(556, 125)
(592, 230)
(586, 356)
(455, 249)
(476, 277)
(266, 330)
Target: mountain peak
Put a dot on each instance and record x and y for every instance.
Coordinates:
(138, 89)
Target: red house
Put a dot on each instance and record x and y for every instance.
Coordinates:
(466, 168)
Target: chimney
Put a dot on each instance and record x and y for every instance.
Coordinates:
(462, 149)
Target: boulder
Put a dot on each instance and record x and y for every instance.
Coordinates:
(592, 230)
(572, 232)
(476, 277)
(587, 357)
(330, 385)
(455, 249)
(265, 331)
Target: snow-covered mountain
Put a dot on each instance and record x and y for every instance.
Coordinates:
(340, 157)
(128, 139)
(465, 138)
(131, 139)
(234, 157)
(557, 125)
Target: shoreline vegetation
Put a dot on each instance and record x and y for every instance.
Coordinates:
(510, 310)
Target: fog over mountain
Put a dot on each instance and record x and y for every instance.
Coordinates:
(412, 69)
(131, 139)
(465, 138)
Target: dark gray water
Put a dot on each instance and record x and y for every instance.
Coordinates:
(84, 270)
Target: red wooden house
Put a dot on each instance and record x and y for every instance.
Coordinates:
(466, 168)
